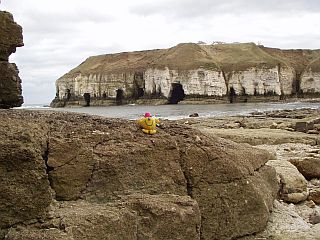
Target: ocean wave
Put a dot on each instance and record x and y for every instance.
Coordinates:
(32, 107)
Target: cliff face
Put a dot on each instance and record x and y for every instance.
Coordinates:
(310, 78)
(73, 176)
(222, 72)
(10, 83)
(306, 64)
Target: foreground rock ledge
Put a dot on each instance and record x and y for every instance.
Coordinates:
(73, 176)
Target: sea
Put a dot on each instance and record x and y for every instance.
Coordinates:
(179, 111)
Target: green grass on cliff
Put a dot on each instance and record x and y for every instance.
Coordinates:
(299, 59)
(116, 63)
(241, 56)
(315, 65)
(190, 56)
(186, 56)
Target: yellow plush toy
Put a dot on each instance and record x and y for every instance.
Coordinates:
(148, 124)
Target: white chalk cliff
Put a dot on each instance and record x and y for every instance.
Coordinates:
(222, 71)
(310, 79)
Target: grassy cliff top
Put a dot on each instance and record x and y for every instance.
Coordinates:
(299, 59)
(190, 56)
(117, 63)
(186, 56)
(315, 65)
(240, 56)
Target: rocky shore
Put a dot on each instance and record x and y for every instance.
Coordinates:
(292, 136)
(75, 176)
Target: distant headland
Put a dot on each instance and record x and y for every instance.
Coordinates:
(218, 72)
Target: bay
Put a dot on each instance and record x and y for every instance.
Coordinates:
(179, 111)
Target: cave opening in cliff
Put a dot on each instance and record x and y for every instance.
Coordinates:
(119, 96)
(296, 85)
(138, 89)
(87, 99)
(68, 94)
(232, 95)
(177, 93)
(138, 92)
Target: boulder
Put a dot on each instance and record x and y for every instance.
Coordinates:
(286, 224)
(313, 132)
(316, 120)
(293, 185)
(314, 218)
(194, 115)
(304, 126)
(314, 195)
(309, 166)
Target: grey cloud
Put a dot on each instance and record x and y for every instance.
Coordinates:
(38, 93)
(200, 8)
(60, 37)
(47, 23)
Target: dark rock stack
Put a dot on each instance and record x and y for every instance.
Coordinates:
(10, 83)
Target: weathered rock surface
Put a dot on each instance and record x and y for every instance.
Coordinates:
(135, 217)
(309, 167)
(165, 216)
(310, 79)
(272, 128)
(314, 195)
(10, 83)
(314, 192)
(25, 190)
(224, 72)
(111, 180)
(287, 221)
(286, 224)
(293, 186)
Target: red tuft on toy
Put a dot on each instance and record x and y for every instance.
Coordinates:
(147, 114)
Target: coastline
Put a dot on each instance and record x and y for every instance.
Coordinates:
(180, 111)
(190, 100)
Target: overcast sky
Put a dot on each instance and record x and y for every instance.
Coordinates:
(60, 34)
